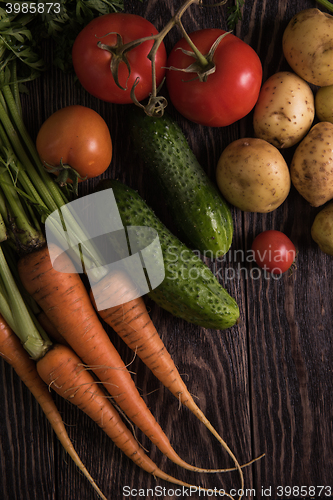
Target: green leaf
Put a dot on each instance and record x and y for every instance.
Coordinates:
(21, 35)
(234, 14)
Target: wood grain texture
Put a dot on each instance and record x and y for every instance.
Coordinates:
(265, 384)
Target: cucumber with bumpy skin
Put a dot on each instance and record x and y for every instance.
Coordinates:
(196, 205)
(189, 290)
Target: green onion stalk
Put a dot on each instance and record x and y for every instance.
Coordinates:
(326, 4)
(30, 193)
(18, 309)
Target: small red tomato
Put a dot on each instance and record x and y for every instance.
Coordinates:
(76, 136)
(273, 251)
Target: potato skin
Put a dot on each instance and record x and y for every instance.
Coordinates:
(311, 167)
(322, 229)
(284, 111)
(253, 175)
(324, 104)
(307, 44)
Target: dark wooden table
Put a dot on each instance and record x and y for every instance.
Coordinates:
(265, 384)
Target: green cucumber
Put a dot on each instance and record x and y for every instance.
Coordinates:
(195, 203)
(189, 290)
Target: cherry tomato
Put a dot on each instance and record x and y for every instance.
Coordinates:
(92, 63)
(229, 93)
(76, 136)
(273, 251)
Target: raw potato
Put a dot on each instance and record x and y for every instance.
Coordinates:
(308, 46)
(284, 111)
(311, 168)
(322, 229)
(324, 104)
(253, 175)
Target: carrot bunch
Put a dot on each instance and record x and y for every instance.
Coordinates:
(66, 302)
(61, 369)
(58, 367)
(12, 351)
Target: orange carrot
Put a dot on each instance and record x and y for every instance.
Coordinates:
(65, 373)
(50, 329)
(65, 300)
(12, 351)
(131, 321)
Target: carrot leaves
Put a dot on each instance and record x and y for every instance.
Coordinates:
(23, 34)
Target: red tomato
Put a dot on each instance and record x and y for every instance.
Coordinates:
(273, 251)
(92, 63)
(76, 136)
(229, 93)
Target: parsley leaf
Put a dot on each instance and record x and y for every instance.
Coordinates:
(22, 34)
(234, 14)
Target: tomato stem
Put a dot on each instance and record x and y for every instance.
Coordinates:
(65, 173)
(203, 65)
(174, 21)
(201, 59)
(155, 104)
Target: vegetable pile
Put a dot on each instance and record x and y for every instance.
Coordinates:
(53, 329)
